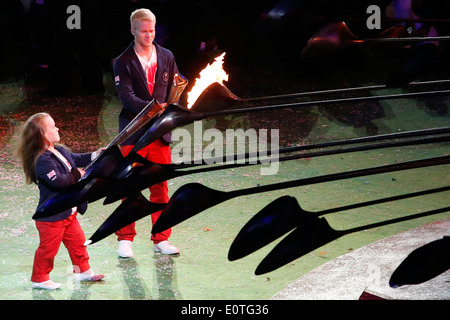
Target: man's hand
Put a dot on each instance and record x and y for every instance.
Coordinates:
(81, 171)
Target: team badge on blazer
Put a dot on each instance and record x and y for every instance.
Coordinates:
(166, 76)
(51, 175)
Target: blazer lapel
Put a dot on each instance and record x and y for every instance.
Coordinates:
(158, 63)
(137, 64)
(66, 155)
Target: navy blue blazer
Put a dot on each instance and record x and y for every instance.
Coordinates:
(131, 85)
(53, 176)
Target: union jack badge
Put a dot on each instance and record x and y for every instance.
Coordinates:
(51, 175)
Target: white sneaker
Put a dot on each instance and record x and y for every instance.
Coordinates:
(47, 285)
(124, 250)
(165, 248)
(88, 275)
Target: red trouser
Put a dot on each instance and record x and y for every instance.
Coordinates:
(156, 152)
(51, 234)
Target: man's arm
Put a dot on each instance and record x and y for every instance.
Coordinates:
(124, 85)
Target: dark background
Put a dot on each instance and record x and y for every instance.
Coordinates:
(263, 40)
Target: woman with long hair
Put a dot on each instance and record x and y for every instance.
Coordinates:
(53, 168)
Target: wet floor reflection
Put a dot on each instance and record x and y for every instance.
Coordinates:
(40, 294)
(164, 282)
(81, 290)
(166, 277)
(133, 279)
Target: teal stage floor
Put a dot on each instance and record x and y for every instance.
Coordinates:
(202, 271)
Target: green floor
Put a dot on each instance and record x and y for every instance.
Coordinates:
(202, 270)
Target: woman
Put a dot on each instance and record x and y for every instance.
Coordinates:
(53, 168)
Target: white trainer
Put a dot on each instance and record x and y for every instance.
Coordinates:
(125, 250)
(88, 275)
(47, 285)
(165, 247)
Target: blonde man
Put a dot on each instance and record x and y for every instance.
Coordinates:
(143, 72)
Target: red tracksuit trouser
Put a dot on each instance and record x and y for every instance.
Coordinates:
(156, 152)
(51, 234)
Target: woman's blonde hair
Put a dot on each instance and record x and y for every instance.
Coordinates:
(141, 14)
(31, 144)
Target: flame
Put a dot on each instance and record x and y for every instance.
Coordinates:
(211, 73)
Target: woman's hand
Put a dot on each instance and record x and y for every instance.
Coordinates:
(95, 154)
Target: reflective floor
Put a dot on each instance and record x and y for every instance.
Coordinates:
(202, 270)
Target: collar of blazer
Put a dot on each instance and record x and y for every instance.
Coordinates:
(64, 153)
(137, 64)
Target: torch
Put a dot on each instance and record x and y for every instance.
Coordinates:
(178, 86)
(150, 111)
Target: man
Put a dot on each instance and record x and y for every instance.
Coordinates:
(143, 72)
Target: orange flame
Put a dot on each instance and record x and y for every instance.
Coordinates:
(211, 73)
